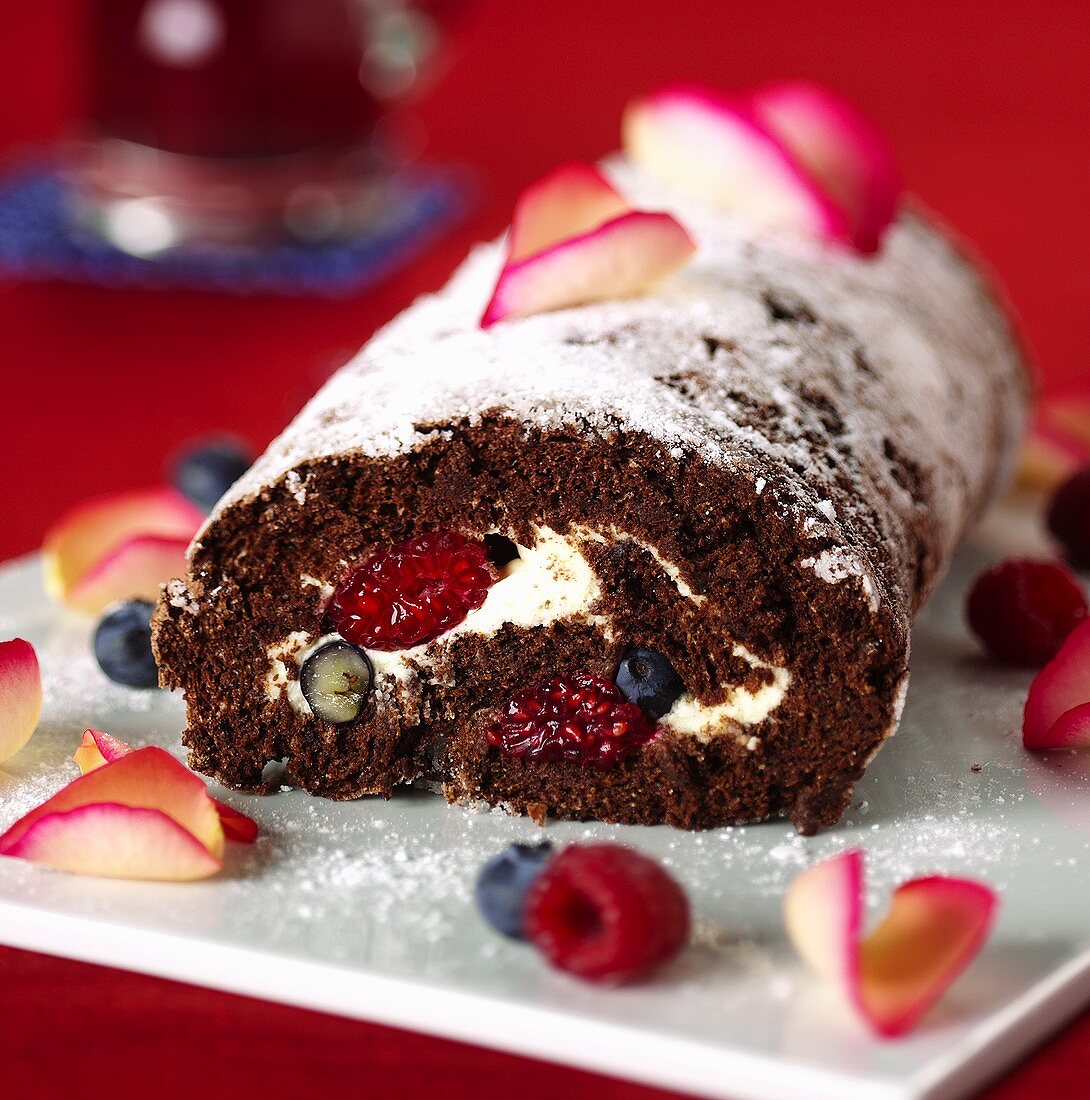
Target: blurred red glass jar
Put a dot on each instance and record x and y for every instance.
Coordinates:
(240, 121)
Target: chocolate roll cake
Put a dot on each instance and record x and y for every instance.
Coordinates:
(647, 560)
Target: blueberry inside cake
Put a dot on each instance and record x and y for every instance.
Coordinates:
(651, 559)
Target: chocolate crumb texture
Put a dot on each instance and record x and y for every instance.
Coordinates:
(759, 470)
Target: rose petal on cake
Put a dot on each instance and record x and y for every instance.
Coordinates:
(840, 148)
(571, 200)
(934, 928)
(620, 258)
(1061, 687)
(144, 779)
(114, 841)
(20, 695)
(719, 150)
(83, 555)
(98, 748)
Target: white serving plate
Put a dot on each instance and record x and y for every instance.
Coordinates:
(365, 909)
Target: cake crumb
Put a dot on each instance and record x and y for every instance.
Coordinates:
(538, 812)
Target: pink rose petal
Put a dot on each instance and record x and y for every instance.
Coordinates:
(87, 553)
(793, 156)
(1059, 441)
(719, 151)
(934, 928)
(841, 149)
(99, 748)
(1062, 686)
(132, 570)
(236, 825)
(20, 696)
(149, 779)
(115, 841)
(622, 257)
(571, 200)
(1071, 730)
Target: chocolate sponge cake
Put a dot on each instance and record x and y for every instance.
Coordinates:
(647, 560)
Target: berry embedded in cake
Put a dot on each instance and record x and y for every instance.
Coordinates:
(647, 556)
(412, 593)
(581, 718)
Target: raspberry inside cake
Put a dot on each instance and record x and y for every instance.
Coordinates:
(651, 560)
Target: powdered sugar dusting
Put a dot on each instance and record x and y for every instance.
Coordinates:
(769, 325)
(370, 889)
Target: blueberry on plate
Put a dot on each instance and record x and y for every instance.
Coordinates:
(122, 644)
(505, 880)
(206, 469)
(647, 679)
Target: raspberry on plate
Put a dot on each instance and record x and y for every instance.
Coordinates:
(606, 913)
(581, 718)
(411, 593)
(1023, 608)
(1069, 517)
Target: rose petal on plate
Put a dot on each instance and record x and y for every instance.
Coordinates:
(620, 258)
(1058, 442)
(115, 841)
(934, 928)
(147, 778)
(98, 748)
(20, 695)
(1071, 730)
(840, 148)
(823, 908)
(132, 570)
(89, 537)
(571, 200)
(236, 825)
(1062, 686)
(718, 150)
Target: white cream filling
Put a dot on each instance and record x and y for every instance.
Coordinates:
(276, 679)
(548, 582)
(705, 721)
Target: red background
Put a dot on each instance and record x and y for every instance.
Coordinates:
(989, 106)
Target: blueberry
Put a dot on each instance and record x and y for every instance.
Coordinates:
(503, 883)
(123, 644)
(647, 679)
(335, 681)
(206, 469)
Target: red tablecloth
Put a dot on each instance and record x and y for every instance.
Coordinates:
(989, 106)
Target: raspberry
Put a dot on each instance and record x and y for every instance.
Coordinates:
(1069, 517)
(580, 718)
(606, 913)
(1023, 609)
(411, 593)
